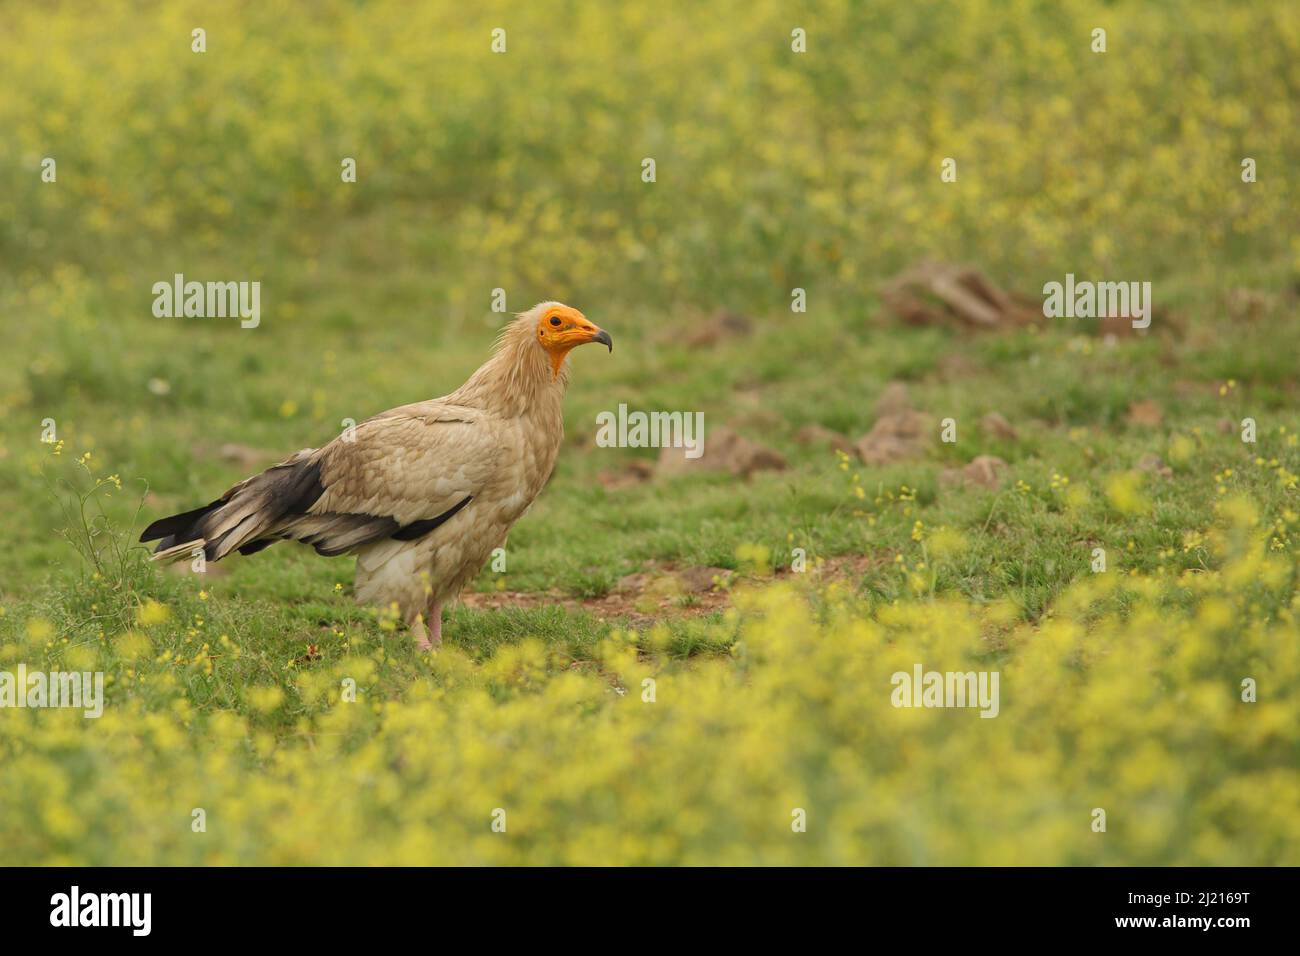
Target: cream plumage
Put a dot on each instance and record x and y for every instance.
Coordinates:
(421, 494)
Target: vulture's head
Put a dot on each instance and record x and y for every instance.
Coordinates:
(560, 327)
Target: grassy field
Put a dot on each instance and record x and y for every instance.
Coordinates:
(770, 689)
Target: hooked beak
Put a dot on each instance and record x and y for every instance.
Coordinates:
(580, 333)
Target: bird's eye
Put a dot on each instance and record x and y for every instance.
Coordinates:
(555, 320)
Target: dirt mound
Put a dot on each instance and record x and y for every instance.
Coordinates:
(900, 431)
(724, 450)
(931, 293)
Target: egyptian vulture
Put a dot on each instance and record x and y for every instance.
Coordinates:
(421, 494)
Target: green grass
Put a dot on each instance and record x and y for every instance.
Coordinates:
(1067, 401)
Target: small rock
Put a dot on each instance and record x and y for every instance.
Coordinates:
(893, 399)
(997, 426)
(633, 583)
(984, 471)
(1115, 326)
(820, 435)
(698, 580)
(895, 438)
(724, 450)
(725, 324)
(934, 292)
(958, 365)
(1248, 304)
(900, 431)
(635, 472)
(1153, 464)
(1146, 412)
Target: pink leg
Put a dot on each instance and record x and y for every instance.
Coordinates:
(433, 628)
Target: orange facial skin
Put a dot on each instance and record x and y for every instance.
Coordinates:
(562, 328)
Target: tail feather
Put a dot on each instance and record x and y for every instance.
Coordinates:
(262, 510)
(177, 524)
(173, 551)
(248, 512)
